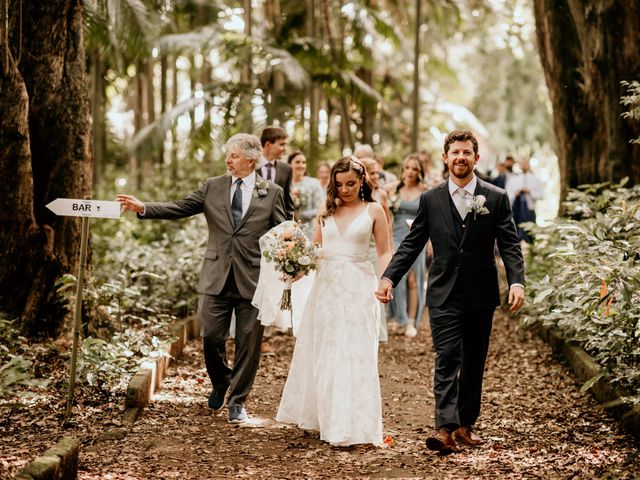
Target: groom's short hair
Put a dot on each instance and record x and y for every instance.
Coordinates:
(460, 136)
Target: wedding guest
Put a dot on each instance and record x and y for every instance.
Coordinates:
(306, 192)
(363, 150)
(380, 196)
(524, 190)
(385, 177)
(323, 170)
(404, 199)
(432, 177)
(274, 144)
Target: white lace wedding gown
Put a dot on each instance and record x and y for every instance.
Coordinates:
(333, 383)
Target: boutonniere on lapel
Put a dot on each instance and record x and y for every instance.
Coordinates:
(262, 188)
(477, 206)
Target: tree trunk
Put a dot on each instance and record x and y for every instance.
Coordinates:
(314, 91)
(45, 133)
(587, 48)
(164, 66)
(98, 100)
(367, 108)
(416, 79)
(174, 129)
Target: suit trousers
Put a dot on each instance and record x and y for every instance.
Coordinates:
(214, 312)
(460, 335)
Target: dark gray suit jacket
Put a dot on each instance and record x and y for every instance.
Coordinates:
(467, 261)
(227, 247)
(283, 178)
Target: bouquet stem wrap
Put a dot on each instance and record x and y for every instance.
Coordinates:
(285, 301)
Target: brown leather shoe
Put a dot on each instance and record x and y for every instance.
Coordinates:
(466, 435)
(442, 441)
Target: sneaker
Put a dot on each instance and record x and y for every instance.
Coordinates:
(237, 414)
(217, 397)
(410, 331)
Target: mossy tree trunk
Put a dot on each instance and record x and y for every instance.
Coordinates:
(45, 153)
(587, 48)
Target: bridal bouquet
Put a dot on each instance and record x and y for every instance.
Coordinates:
(292, 253)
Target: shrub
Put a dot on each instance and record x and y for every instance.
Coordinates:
(584, 278)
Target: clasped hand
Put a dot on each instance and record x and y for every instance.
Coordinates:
(383, 294)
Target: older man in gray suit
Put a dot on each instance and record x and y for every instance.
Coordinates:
(239, 207)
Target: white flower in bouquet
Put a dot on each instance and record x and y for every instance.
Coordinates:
(292, 253)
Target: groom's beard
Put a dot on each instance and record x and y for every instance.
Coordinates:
(460, 173)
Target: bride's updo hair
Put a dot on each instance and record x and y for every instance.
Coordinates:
(345, 164)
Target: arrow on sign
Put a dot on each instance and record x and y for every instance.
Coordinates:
(71, 207)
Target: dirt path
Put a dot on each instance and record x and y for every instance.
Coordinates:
(537, 423)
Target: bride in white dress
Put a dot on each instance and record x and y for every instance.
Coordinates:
(333, 383)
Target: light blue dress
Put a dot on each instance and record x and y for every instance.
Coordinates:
(407, 210)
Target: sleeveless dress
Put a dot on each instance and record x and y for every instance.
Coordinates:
(407, 211)
(333, 383)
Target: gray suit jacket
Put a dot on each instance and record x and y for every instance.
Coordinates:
(227, 247)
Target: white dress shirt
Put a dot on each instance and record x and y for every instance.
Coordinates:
(462, 201)
(264, 169)
(248, 184)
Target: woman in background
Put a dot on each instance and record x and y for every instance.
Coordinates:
(404, 199)
(380, 196)
(306, 192)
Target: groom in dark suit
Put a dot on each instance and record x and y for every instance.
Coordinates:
(463, 217)
(239, 208)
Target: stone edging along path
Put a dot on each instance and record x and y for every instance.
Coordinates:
(60, 462)
(584, 368)
(149, 376)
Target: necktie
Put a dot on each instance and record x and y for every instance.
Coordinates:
(269, 166)
(461, 202)
(236, 203)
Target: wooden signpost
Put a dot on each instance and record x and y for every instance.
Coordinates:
(86, 209)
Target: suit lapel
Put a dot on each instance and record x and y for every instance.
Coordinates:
(255, 200)
(444, 205)
(471, 217)
(226, 192)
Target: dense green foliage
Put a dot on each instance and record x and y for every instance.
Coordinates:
(15, 369)
(584, 278)
(632, 101)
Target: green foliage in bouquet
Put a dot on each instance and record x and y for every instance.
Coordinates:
(584, 278)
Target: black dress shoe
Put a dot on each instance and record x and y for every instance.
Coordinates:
(217, 397)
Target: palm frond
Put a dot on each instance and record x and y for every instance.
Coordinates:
(361, 86)
(152, 136)
(286, 63)
(195, 40)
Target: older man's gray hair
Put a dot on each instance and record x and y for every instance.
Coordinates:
(248, 144)
(363, 150)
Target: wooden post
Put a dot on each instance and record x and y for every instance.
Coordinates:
(77, 313)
